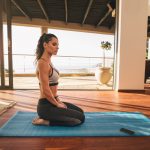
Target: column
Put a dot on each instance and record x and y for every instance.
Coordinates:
(131, 45)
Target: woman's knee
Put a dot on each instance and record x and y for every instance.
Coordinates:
(82, 118)
(74, 107)
(75, 122)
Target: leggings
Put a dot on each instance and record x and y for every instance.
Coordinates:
(70, 116)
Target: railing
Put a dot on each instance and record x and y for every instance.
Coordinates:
(24, 63)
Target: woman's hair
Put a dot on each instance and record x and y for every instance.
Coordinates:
(40, 49)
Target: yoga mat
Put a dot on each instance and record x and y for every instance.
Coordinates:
(96, 124)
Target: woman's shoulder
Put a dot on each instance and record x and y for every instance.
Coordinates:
(40, 62)
(42, 65)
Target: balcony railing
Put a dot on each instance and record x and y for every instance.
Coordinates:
(24, 63)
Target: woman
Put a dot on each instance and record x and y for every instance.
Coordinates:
(51, 110)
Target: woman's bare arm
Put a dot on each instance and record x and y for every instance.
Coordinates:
(44, 70)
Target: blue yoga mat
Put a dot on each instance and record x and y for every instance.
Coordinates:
(96, 124)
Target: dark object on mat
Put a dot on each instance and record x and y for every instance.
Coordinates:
(127, 131)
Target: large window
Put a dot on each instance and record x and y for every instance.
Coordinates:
(78, 57)
(24, 41)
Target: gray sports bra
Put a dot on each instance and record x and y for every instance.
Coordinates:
(53, 77)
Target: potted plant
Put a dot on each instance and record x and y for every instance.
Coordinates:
(105, 45)
(103, 74)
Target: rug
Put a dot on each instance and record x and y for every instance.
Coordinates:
(5, 105)
(96, 124)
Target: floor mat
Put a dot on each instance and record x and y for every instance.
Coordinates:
(96, 124)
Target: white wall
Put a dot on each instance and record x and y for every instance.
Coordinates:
(148, 7)
(131, 44)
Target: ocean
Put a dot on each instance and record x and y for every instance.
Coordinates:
(65, 64)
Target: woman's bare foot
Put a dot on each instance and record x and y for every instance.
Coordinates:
(39, 121)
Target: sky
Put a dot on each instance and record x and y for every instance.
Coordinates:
(71, 43)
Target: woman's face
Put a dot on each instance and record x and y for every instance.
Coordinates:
(52, 46)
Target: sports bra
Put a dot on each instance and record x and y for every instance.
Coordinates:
(53, 77)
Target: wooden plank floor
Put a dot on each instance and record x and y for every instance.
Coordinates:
(90, 101)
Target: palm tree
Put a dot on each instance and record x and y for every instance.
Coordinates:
(105, 45)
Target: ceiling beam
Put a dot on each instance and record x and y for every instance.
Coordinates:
(61, 25)
(106, 15)
(87, 11)
(43, 10)
(22, 11)
(66, 11)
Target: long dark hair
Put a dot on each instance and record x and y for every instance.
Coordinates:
(40, 49)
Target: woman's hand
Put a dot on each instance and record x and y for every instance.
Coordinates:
(61, 105)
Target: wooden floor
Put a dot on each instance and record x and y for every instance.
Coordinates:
(90, 101)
